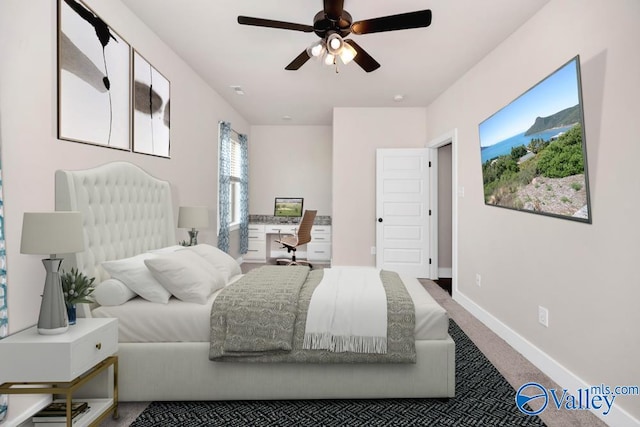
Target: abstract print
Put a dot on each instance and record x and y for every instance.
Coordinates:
(93, 79)
(151, 109)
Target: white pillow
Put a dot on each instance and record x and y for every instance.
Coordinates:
(186, 275)
(228, 266)
(133, 273)
(167, 250)
(112, 292)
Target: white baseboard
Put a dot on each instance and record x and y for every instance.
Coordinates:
(445, 272)
(552, 368)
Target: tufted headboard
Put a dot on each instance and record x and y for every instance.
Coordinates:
(126, 212)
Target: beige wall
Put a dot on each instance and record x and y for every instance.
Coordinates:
(31, 152)
(290, 161)
(357, 133)
(584, 274)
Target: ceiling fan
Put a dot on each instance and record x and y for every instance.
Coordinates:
(333, 24)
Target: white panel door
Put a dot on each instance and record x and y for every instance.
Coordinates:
(402, 211)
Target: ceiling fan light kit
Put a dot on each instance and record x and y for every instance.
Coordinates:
(333, 24)
(335, 47)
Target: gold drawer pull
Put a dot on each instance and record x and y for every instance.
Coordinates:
(99, 345)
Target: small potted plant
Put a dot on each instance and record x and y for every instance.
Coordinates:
(77, 288)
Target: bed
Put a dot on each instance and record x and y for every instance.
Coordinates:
(127, 213)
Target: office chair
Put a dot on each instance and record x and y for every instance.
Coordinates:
(302, 236)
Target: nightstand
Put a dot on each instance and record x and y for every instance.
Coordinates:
(64, 364)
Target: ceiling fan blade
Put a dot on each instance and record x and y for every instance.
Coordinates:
(298, 62)
(333, 8)
(403, 21)
(362, 58)
(259, 22)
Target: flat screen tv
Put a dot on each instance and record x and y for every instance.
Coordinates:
(533, 151)
(288, 206)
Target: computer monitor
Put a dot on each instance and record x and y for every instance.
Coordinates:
(288, 207)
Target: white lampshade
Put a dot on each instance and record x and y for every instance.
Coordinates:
(334, 44)
(329, 59)
(193, 217)
(347, 53)
(52, 233)
(316, 50)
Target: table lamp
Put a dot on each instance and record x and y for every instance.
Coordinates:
(193, 217)
(52, 233)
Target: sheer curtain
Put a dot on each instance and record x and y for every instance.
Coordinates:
(224, 181)
(244, 195)
(226, 169)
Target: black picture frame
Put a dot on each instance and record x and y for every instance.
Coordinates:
(533, 151)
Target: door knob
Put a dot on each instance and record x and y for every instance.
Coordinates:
(379, 219)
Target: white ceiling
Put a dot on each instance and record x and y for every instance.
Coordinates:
(418, 63)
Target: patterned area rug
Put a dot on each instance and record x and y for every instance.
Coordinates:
(483, 398)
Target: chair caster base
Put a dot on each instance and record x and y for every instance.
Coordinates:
(287, 262)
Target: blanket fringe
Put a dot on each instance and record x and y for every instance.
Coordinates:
(342, 344)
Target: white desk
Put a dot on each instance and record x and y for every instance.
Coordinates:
(262, 245)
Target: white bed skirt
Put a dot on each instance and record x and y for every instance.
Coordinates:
(182, 371)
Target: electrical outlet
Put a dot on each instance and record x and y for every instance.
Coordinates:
(461, 191)
(478, 279)
(373, 250)
(543, 316)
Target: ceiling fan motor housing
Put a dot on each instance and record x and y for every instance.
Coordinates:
(323, 26)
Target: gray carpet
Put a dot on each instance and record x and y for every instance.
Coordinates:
(483, 398)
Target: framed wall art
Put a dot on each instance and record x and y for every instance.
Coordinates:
(151, 109)
(94, 75)
(533, 151)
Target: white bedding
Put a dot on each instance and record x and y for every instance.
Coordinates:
(179, 321)
(112, 197)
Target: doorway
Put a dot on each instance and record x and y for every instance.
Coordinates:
(444, 192)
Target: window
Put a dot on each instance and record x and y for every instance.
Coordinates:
(233, 188)
(235, 178)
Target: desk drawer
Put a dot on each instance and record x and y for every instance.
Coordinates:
(320, 238)
(256, 232)
(321, 233)
(319, 251)
(257, 251)
(256, 235)
(321, 229)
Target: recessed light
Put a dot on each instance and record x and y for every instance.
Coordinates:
(398, 98)
(237, 89)
(286, 117)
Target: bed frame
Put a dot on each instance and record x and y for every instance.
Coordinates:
(127, 212)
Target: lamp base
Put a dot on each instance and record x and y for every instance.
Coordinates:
(193, 235)
(56, 331)
(53, 318)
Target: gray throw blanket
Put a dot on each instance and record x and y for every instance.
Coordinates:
(262, 336)
(256, 314)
